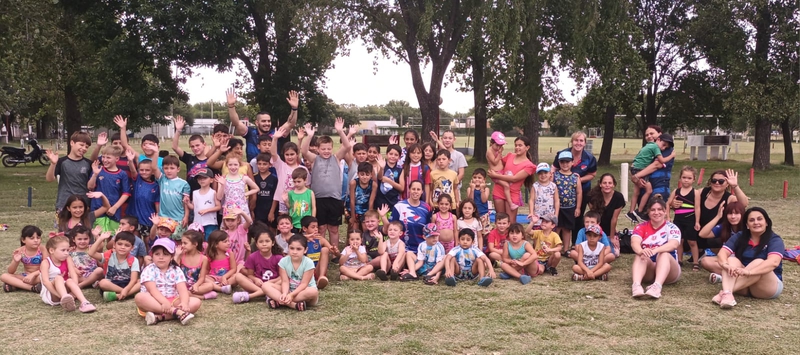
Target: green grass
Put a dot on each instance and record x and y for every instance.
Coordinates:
(550, 315)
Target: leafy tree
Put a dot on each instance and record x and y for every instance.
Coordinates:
(401, 110)
(561, 118)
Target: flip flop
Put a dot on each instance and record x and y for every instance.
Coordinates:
(381, 275)
(394, 275)
(428, 280)
(408, 277)
(272, 303)
(300, 306)
(9, 288)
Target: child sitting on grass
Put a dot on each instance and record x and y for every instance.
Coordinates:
(164, 295)
(591, 257)
(261, 267)
(518, 257)
(394, 253)
(30, 254)
(355, 264)
(429, 260)
(297, 288)
(318, 250)
(120, 267)
(465, 262)
(547, 243)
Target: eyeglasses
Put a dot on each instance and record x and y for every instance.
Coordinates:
(718, 181)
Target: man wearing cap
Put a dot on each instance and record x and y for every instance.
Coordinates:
(263, 124)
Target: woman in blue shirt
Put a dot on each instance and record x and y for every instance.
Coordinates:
(751, 261)
(585, 165)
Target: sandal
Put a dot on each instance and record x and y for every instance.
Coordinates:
(9, 288)
(695, 267)
(428, 280)
(185, 317)
(37, 288)
(272, 303)
(408, 277)
(300, 306)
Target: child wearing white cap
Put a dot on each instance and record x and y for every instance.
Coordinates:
(544, 195)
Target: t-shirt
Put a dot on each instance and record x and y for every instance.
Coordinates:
(466, 257)
(144, 198)
(457, 161)
(418, 172)
(483, 207)
(172, 192)
(119, 270)
(193, 167)
(113, 184)
(166, 282)
(583, 167)
(591, 257)
(660, 178)
(567, 189)
(122, 164)
(285, 182)
(617, 201)
(251, 141)
(254, 165)
(264, 268)
(299, 206)
(545, 203)
(581, 237)
(497, 239)
(351, 257)
(371, 243)
(414, 218)
(646, 155)
(654, 238)
(266, 194)
(84, 263)
(327, 178)
(552, 240)
(202, 202)
(73, 178)
(475, 225)
(430, 254)
(775, 246)
(512, 169)
(443, 183)
(238, 241)
(296, 275)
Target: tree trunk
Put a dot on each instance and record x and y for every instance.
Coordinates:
(761, 150)
(531, 130)
(479, 100)
(429, 109)
(608, 135)
(787, 142)
(72, 113)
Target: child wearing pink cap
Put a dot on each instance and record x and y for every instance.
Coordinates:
(494, 156)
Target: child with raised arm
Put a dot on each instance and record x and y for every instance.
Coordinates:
(429, 261)
(88, 272)
(195, 265)
(519, 259)
(570, 195)
(114, 184)
(146, 194)
(363, 190)
(236, 223)
(297, 288)
(544, 195)
(393, 259)
(164, 295)
(60, 278)
(234, 188)
(197, 161)
(205, 203)
(76, 211)
(285, 166)
(646, 162)
(74, 170)
(465, 262)
(591, 257)
(30, 254)
(479, 192)
(174, 194)
(494, 156)
(355, 262)
(261, 267)
(120, 267)
(327, 182)
(546, 242)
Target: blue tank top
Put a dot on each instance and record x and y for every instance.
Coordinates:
(314, 250)
(516, 254)
(483, 207)
(362, 197)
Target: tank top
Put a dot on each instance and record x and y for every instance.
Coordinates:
(516, 254)
(685, 213)
(234, 194)
(362, 195)
(327, 178)
(219, 267)
(707, 214)
(314, 250)
(192, 273)
(591, 257)
(442, 223)
(393, 249)
(54, 270)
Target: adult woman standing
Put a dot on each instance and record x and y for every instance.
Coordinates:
(715, 194)
(655, 242)
(585, 165)
(608, 202)
(519, 168)
(751, 261)
(660, 178)
(414, 214)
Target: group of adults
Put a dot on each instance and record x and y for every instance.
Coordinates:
(748, 252)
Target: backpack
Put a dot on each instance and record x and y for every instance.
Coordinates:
(107, 256)
(625, 242)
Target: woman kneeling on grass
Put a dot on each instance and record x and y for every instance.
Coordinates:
(751, 261)
(655, 243)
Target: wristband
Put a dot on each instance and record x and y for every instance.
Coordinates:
(294, 108)
(231, 106)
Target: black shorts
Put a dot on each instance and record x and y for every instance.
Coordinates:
(566, 218)
(329, 211)
(634, 171)
(687, 229)
(710, 243)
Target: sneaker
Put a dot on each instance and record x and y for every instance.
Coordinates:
(643, 217)
(227, 289)
(525, 279)
(150, 318)
(87, 307)
(110, 296)
(485, 281)
(714, 278)
(631, 216)
(577, 277)
(240, 297)
(322, 282)
(717, 298)
(210, 295)
(726, 300)
(654, 291)
(553, 271)
(604, 277)
(381, 275)
(637, 291)
(68, 303)
(504, 276)
(185, 318)
(450, 281)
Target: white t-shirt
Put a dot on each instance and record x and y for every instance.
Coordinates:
(202, 202)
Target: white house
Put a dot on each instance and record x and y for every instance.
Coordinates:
(378, 127)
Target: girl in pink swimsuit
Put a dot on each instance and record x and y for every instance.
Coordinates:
(446, 222)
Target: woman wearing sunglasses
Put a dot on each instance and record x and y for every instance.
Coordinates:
(722, 188)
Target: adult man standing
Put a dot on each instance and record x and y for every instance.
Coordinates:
(263, 124)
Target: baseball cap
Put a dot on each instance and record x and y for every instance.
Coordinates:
(594, 228)
(565, 155)
(666, 138)
(166, 243)
(430, 230)
(498, 138)
(205, 172)
(168, 223)
(550, 217)
(229, 214)
(542, 167)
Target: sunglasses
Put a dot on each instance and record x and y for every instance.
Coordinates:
(718, 181)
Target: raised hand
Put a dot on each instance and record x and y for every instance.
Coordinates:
(102, 139)
(179, 123)
(733, 177)
(130, 154)
(94, 194)
(150, 146)
(394, 139)
(383, 210)
(96, 167)
(53, 156)
(155, 219)
(121, 123)
(224, 147)
(301, 133)
(217, 142)
(293, 99)
(381, 161)
(104, 235)
(434, 136)
(339, 124)
(220, 179)
(280, 132)
(96, 231)
(230, 96)
(353, 130)
(309, 129)
(18, 254)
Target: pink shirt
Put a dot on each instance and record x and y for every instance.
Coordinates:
(512, 169)
(285, 183)
(238, 239)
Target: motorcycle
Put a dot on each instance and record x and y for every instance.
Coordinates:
(11, 156)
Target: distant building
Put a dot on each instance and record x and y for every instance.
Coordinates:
(378, 127)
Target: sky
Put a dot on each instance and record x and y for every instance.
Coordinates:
(355, 80)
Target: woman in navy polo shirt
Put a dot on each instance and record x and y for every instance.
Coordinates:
(751, 261)
(585, 165)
